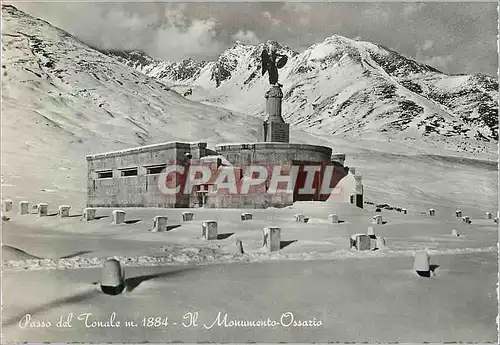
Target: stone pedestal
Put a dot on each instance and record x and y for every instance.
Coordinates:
(209, 230)
(488, 215)
(272, 238)
(43, 209)
(64, 211)
(405, 211)
(7, 205)
(432, 212)
(24, 207)
(160, 223)
(454, 233)
(274, 132)
(458, 213)
(187, 216)
(88, 214)
(274, 128)
(118, 217)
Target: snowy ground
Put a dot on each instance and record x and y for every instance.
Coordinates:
(358, 296)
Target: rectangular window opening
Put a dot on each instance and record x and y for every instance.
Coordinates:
(129, 172)
(155, 170)
(105, 174)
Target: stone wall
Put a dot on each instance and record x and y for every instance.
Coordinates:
(243, 155)
(108, 184)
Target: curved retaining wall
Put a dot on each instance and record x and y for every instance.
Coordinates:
(243, 155)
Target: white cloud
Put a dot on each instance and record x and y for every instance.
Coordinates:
(377, 14)
(410, 9)
(440, 62)
(167, 34)
(246, 37)
(428, 44)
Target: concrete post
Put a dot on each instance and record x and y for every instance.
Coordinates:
(209, 230)
(118, 217)
(246, 216)
(405, 211)
(488, 215)
(160, 223)
(187, 216)
(64, 211)
(299, 218)
(371, 232)
(272, 238)
(377, 220)
(454, 233)
(421, 263)
(334, 218)
(89, 213)
(24, 207)
(360, 242)
(7, 205)
(113, 281)
(43, 209)
(239, 247)
(432, 212)
(458, 213)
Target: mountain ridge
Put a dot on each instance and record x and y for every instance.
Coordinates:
(420, 98)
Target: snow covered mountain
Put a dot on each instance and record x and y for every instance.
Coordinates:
(345, 87)
(62, 100)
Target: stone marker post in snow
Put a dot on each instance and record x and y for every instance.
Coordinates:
(64, 211)
(7, 205)
(239, 247)
(88, 213)
(299, 218)
(43, 209)
(334, 218)
(160, 223)
(187, 216)
(24, 207)
(271, 238)
(209, 230)
(118, 217)
(421, 264)
(113, 280)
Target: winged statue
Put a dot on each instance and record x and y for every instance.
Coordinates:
(271, 62)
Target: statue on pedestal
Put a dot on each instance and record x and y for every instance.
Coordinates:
(270, 65)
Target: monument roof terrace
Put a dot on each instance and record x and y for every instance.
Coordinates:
(147, 148)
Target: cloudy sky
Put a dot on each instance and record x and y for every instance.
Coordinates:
(453, 37)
